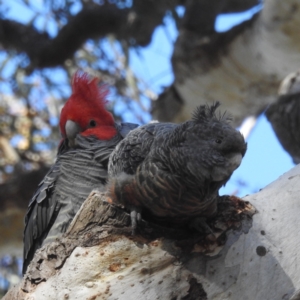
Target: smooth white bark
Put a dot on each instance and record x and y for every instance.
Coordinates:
(262, 264)
(248, 75)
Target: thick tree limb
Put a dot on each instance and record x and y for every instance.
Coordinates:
(93, 21)
(200, 16)
(232, 6)
(99, 244)
(135, 25)
(98, 257)
(242, 68)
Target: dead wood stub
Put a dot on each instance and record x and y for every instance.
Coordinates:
(100, 223)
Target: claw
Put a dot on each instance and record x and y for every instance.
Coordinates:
(136, 217)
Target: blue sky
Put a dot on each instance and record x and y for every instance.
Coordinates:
(265, 159)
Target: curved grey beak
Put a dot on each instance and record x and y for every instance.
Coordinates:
(233, 160)
(72, 129)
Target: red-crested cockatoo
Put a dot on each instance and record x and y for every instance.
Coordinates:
(89, 135)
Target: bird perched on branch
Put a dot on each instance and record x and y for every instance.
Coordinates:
(284, 115)
(173, 171)
(89, 135)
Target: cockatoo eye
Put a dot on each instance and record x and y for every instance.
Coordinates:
(92, 123)
(218, 141)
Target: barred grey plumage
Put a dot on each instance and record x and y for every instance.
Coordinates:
(174, 171)
(89, 136)
(68, 183)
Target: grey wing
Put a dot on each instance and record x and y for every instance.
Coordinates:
(40, 214)
(132, 150)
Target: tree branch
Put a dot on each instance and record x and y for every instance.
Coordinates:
(104, 228)
(135, 25)
(195, 55)
(241, 68)
(98, 256)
